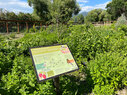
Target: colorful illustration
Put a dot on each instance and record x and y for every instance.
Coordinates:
(52, 61)
(64, 50)
(70, 61)
(40, 66)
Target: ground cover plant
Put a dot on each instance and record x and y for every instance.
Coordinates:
(103, 49)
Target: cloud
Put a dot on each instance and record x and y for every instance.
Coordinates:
(16, 6)
(82, 1)
(89, 8)
(22, 6)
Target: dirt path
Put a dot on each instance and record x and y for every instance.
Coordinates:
(122, 92)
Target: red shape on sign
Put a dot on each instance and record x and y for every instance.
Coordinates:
(40, 75)
(44, 76)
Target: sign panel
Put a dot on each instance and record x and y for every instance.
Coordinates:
(52, 61)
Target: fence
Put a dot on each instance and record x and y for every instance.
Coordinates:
(18, 25)
(7, 26)
(102, 23)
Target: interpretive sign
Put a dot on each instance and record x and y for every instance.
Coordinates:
(52, 61)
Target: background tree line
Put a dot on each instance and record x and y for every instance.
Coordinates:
(62, 11)
(113, 11)
(6, 15)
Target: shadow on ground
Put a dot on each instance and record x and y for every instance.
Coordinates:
(73, 85)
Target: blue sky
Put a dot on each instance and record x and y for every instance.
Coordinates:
(22, 5)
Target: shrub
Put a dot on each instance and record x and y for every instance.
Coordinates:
(1, 38)
(123, 28)
(108, 72)
(121, 21)
(103, 48)
(31, 30)
(12, 35)
(22, 81)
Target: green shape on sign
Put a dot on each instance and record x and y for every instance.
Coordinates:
(50, 73)
(40, 66)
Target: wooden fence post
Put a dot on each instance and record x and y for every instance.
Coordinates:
(40, 24)
(46, 26)
(7, 27)
(27, 26)
(18, 27)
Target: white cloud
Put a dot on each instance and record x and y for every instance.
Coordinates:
(16, 6)
(82, 1)
(89, 8)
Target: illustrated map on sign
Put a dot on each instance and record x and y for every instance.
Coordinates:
(52, 61)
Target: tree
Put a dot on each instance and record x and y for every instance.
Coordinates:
(104, 16)
(55, 10)
(11, 16)
(24, 16)
(121, 21)
(41, 8)
(116, 8)
(35, 17)
(80, 19)
(93, 16)
(77, 19)
(2, 14)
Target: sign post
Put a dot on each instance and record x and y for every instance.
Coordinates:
(51, 62)
(56, 85)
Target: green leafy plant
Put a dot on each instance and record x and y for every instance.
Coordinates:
(12, 35)
(121, 21)
(108, 72)
(103, 49)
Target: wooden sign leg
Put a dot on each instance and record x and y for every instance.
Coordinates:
(56, 85)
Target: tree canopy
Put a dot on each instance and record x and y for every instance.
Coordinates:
(98, 15)
(77, 19)
(40, 8)
(55, 10)
(116, 8)
(104, 16)
(6, 15)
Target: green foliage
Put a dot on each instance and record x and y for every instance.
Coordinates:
(6, 15)
(21, 80)
(92, 44)
(40, 8)
(34, 28)
(25, 16)
(1, 38)
(121, 21)
(16, 70)
(104, 16)
(31, 30)
(97, 15)
(116, 8)
(93, 16)
(56, 11)
(86, 41)
(108, 71)
(123, 28)
(103, 49)
(79, 19)
(12, 35)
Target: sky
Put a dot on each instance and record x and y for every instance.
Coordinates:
(22, 5)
